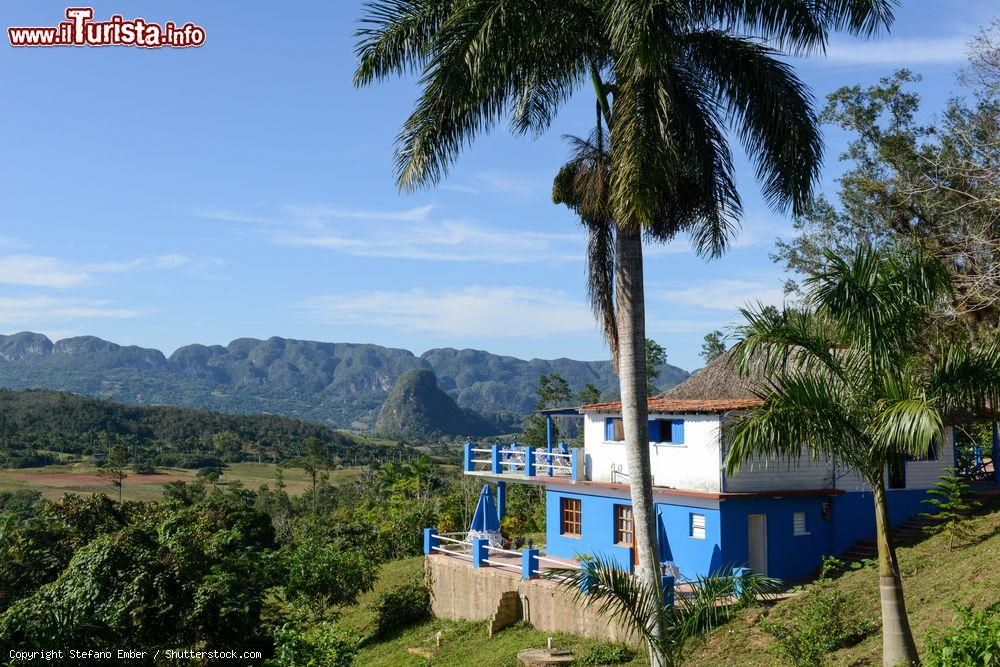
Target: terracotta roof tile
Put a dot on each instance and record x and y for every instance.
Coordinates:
(677, 406)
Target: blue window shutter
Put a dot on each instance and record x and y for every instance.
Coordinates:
(654, 431)
(677, 430)
(609, 429)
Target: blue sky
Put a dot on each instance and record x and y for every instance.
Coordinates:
(161, 197)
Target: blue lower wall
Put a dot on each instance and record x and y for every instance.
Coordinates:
(597, 534)
(851, 517)
(692, 556)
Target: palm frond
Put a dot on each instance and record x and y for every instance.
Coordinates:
(770, 107)
(397, 37)
(802, 414)
(967, 380)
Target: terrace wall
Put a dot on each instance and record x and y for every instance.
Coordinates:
(459, 592)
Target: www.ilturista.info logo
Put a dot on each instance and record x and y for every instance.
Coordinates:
(81, 30)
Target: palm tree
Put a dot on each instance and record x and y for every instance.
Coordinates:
(669, 79)
(856, 376)
(706, 603)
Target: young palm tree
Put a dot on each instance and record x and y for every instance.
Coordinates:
(669, 79)
(855, 376)
(706, 603)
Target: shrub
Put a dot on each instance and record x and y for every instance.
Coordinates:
(607, 653)
(324, 575)
(975, 641)
(143, 468)
(824, 624)
(402, 606)
(324, 646)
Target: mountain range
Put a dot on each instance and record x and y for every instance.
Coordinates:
(338, 384)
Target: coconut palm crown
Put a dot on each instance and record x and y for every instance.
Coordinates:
(856, 376)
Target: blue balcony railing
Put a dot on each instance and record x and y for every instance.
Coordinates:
(524, 460)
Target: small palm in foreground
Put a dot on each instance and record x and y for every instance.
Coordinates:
(857, 376)
(664, 629)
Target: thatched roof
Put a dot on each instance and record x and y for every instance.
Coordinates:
(718, 381)
(718, 387)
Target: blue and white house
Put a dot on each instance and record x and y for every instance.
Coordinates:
(778, 518)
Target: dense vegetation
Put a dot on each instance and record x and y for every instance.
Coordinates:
(36, 426)
(338, 384)
(214, 567)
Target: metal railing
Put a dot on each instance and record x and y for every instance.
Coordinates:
(527, 460)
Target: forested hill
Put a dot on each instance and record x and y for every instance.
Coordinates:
(34, 420)
(339, 384)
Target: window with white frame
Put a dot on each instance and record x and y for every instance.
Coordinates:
(697, 526)
(799, 524)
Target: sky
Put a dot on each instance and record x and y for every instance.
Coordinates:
(160, 197)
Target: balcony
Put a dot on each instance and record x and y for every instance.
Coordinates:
(524, 462)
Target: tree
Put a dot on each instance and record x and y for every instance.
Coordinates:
(712, 347)
(856, 376)
(553, 391)
(711, 602)
(915, 184)
(668, 80)
(589, 394)
(314, 460)
(656, 356)
(952, 506)
(114, 468)
(228, 445)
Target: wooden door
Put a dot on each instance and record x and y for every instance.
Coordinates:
(757, 543)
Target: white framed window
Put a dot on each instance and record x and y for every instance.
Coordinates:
(697, 526)
(799, 524)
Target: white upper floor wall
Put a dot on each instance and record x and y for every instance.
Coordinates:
(695, 463)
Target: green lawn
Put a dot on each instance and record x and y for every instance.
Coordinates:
(935, 581)
(56, 480)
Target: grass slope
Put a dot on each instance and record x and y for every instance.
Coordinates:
(935, 581)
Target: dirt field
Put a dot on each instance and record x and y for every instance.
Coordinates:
(55, 481)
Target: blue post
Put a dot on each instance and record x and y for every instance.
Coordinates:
(479, 552)
(739, 578)
(574, 461)
(430, 540)
(495, 467)
(469, 466)
(996, 454)
(548, 440)
(501, 499)
(529, 563)
(529, 461)
(667, 588)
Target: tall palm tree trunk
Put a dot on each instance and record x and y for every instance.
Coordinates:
(630, 313)
(898, 647)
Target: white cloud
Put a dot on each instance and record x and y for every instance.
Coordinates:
(896, 51)
(724, 294)
(498, 183)
(42, 271)
(33, 309)
(494, 312)
(406, 234)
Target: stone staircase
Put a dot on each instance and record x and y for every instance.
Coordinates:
(910, 529)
